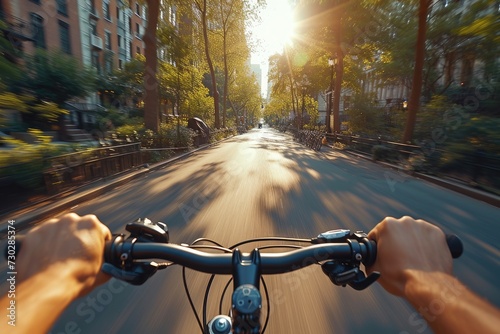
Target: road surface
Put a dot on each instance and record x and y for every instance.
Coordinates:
(263, 184)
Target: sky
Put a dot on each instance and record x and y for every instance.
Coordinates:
(274, 30)
(271, 34)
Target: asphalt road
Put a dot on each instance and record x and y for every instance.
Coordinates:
(263, 184)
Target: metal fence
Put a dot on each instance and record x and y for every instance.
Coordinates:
(75, 169)
(78, 168)
(475, 167)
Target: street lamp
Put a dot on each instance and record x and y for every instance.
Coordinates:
(332, 62)
(405, 105)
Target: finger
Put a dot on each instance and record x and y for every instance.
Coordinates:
(106, 232)
(375, 232)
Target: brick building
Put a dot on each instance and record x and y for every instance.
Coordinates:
(50, 25)
(102, 34)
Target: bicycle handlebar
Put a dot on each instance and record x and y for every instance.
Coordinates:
(221, 264)
(339, 252)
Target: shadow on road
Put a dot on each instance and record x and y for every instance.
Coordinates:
(264, 184)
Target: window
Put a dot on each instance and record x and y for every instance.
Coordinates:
(36, 1)
(95, 61)
(120, 64)
(38, 31)
(138, 50)
(131, 49)
(130, 25)
(65, 37)
(107, 12)
(173, 16)
(118, 13)
(108, 64)
(137, 9)
(62, 7)
(137, 30)
(93, 27)
(107, 40)
(119, 41)
(92, 7)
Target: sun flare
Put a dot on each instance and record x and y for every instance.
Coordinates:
(278, 26)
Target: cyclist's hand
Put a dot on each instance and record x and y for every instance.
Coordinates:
(71, 246)
(405, 245)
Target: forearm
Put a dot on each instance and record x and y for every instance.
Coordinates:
(38, 301)
(448, 306)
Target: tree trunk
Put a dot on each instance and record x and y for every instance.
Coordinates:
(226, 79)
(151, 98)
(416, 89)
(339, 74)
(339, 68)
(210, 64)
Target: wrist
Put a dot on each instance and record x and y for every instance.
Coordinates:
(61, 280)
(45, 295)
(431, 290)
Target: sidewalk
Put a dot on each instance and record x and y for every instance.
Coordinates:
(453, 185)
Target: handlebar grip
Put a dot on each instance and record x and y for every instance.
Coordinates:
(455, 245)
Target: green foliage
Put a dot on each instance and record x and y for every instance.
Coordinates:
(167, 136)
(24, 163)
(109, 119)
(8, 57)
(221, 134)
(466, 147)
(279, 107)
(478, 133)
(40, 113)
(125, 83)
(12, 101)
(57, 77)
(365, 117)
(438, 114)
(48, 111)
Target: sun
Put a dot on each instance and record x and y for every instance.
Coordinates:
(277, 27)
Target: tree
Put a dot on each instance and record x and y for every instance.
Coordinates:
(151, 97)
(245, 98)
(9, 57)
(57, 77)
(203, 8)
(230, 15)
(416, 90)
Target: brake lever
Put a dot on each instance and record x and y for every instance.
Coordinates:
(134, 272)
(348, 274)
(137, 274)
(362, 282)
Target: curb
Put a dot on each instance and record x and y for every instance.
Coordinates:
(28, 218)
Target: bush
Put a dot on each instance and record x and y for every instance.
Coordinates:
(167, 136)
(383, 153)
(24, 164)
(365, 117)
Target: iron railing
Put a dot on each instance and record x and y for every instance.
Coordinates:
(74, 169)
